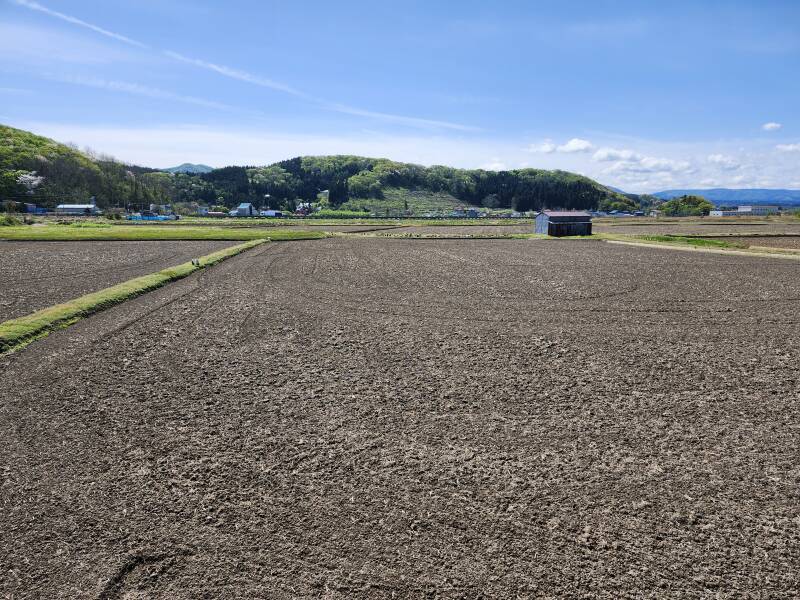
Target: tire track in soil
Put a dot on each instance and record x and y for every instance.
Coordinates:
(194, 282)
(315, 293)
(446, 465)
(167, 257)
(116, 586)
(172, 257)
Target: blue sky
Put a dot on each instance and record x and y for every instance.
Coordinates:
(640, 95)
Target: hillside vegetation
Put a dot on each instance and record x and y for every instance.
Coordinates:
(37, 169)
(399, 200)
(40, 170)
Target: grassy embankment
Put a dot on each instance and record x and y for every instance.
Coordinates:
(19, 332)
(107, 232)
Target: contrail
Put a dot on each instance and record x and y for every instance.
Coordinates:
(75, 21)
(239, 75)
(137, 89)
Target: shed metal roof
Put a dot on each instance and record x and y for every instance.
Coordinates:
(566, 213)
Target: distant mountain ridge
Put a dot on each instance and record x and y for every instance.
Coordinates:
(189, 168)
(738, 196)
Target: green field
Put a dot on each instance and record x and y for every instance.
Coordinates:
(66, 233)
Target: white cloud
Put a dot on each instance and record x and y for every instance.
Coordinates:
(649, 164)
(613, 154)
(575, 145)
(75, 21)
(495, 165)
(546, 147)
(727, 163)
(137, 90)
(771, 126)
(788, 147)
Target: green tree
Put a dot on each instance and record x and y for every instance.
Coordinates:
(688, 205)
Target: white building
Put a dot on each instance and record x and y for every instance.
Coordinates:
(763, 209)
(77, 210)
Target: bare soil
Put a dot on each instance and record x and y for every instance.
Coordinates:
(340, 228)
(35, 275)
(710, 227)
(379, 418)
(464, 230)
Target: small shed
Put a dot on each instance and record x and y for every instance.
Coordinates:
(566, 222)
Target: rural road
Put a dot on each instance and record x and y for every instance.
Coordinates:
(385, 417)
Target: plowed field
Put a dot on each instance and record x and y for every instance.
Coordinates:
(385, 418)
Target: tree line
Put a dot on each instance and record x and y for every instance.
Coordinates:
(37, 169)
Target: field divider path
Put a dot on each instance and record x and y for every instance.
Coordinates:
(19, 332)
(685, 248)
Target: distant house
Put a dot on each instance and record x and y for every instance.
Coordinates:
(561, 223)
(77, 210)
(245, 209)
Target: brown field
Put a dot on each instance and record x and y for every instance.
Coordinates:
(707, 226)
(36, 275)
(463, 229)
(378, 418)
(339, 228)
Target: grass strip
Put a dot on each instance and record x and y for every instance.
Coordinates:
(751, 251)
(690, 241)
(61, 233)
(21, 331)
(674, 240)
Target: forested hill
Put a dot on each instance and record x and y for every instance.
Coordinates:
(189, 168)
(37, 169)
(43, 171)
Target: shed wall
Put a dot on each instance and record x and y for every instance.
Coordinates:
(562, 229)
(540, 225)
